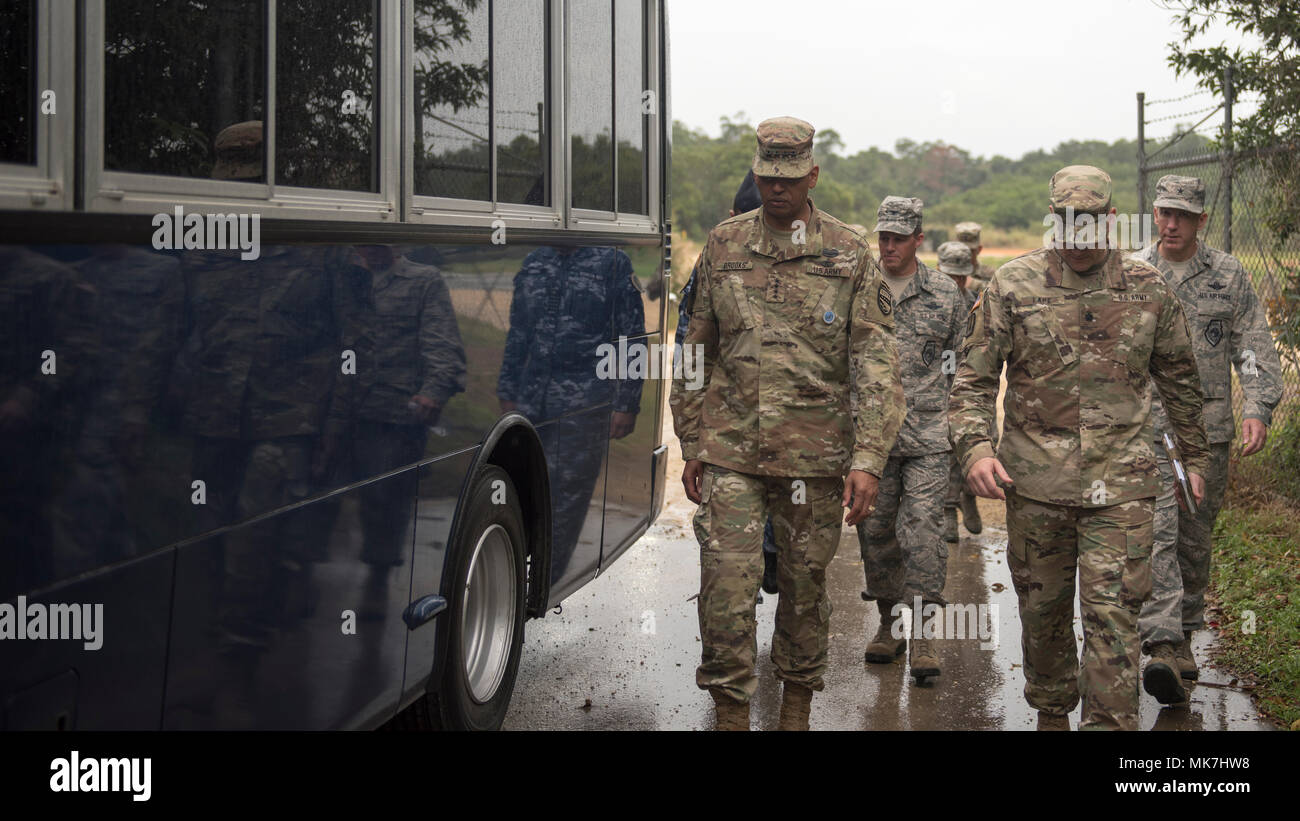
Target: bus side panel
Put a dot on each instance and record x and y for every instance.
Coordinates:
(108, 678)
(294, 621)
(628, 495)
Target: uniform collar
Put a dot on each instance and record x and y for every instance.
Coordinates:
(917, 282)
(1198, 262)
(1060, 275)
(762, 242)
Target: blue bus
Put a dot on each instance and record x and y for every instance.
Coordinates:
(306, 316)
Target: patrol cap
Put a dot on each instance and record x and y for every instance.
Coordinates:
(955, 259)
(1183, 193)
(969, 234)
(239, 151)
(1081, 187)
(784, 148)
(899, 215)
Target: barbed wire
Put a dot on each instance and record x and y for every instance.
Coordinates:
(1180, 99)
(1183, 114)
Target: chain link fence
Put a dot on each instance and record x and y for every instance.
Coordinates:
(1242, 188)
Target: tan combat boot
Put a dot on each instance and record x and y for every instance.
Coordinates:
(732, 715)
(950, 525)
(1186, 661)
(1160, 679)
(884, 648)
(1048, 721)
(796, 704)
(924, 658)
(970, 513)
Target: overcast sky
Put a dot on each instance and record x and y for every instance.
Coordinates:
(999, 77)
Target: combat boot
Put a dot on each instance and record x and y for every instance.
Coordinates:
(1186, 661)
(884, 648)
(1048, 721)
(924, 658)
(950, 525)
(970, 513)
(796, 704)
(1160, 679)
(732, 715)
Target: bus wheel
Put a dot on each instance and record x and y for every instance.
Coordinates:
(486, 633)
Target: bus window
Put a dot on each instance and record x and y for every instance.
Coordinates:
(326, 86)
(17, 81)
(174, 78)
(519, 102)
(452, 101)
(630, 117)
(591, 103)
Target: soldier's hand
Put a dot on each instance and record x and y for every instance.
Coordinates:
(692, 478)
(860, 489)
(424, 409)
(984, 477)
(1253, 435)
(621, 424)
(1198, 489)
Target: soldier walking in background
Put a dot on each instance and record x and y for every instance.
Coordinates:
(787, 296)
(1228, 329)
(1082, 331)
(959, 496)
(903, 551)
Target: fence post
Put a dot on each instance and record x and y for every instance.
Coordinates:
(1227, 158)
(1142, 153)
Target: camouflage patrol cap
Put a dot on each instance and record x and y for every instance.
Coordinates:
(1081, 187)
(968, 233)
(784, 148)
(1183, 193)
(955, 259)
(239, 151)
(899, 215)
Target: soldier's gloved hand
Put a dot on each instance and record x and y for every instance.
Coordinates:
(692, 479)
(984, 477)
(1253, 435)
(860, 489)
(621, 424)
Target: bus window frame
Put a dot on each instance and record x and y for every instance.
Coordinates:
(622, 221)
(45, 184)
(130, 192)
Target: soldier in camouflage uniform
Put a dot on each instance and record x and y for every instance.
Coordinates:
(903, 551)
(959, 496)
(1229, 329)
(567, 303)
(410, 363)
(1082, 331)
(790, 311)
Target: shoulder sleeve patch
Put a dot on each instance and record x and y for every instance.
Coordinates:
(884, 298)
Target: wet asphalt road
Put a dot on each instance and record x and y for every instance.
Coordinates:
(622, 654)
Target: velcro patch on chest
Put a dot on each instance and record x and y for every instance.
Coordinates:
(1116, 297)
(827, 270)
(736, 265)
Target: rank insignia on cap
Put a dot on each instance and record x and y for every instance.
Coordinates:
(884, 299)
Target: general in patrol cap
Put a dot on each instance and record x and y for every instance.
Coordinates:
(784, 148)
(955, 259)
(1183, 193)
(968, 233)
(899, 215)
(239, 152)
(1081, 187)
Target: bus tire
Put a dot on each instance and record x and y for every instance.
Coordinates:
(486, 608)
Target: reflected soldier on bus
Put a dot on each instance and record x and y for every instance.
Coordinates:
(44, 346)
(567, 303)
(137, 308)
(410, 363)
